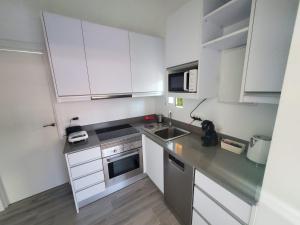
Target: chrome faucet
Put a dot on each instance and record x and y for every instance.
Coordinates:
(170, 119)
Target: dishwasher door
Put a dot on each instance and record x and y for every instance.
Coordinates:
(178, 194)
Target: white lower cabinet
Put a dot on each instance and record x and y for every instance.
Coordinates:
(154, 162)
(86, 175)
(88, 181)
(90, 192)
(216, 205)
(198, 220)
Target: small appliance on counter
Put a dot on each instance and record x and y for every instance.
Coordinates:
(258, 150)
(233, 146)
(210, 137)
(75, 134)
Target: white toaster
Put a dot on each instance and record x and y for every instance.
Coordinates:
(78, 136)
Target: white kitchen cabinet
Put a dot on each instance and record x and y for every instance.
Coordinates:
(85, 169)
(183, 34)
(108, 59)
(271, 34)
(147, 64)
(154, 162)
(216, 205)
(65, 45)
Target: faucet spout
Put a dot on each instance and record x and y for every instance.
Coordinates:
(170, 119)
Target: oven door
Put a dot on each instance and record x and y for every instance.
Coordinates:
(121, 167)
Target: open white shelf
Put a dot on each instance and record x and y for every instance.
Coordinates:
(232, 40)
(230, 13)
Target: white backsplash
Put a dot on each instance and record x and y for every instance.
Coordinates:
(238, 120)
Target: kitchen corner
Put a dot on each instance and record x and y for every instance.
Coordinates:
(233, 172)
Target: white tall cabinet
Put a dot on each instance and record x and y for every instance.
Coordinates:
(67, 57)
(183, 34)
(147, 64)
(108, 59)
(154, 162)
(271, 34)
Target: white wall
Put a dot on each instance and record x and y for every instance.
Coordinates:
(280, 198)
(103, 110)
(239, 120)
(20, 19)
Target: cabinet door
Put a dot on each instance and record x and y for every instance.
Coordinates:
(66, 53)
(183, 34)
(154, 162)
(272, 31)
(147, 63)
(108, 60)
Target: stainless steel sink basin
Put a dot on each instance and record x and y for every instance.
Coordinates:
(170, 133)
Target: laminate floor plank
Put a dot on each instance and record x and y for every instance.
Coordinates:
(139, 204)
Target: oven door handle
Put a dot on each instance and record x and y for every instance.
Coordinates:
(113, 159)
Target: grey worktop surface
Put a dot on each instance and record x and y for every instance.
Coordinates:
(234, 172)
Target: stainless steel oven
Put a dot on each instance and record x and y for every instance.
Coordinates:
(122, 166)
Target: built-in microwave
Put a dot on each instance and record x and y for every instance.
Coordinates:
(183, 81)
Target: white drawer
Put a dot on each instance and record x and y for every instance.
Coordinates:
(90, 192)
(234, 204)
(212, 212)
(197, 220)
(84, 156)
(88, 180)
(86, 169)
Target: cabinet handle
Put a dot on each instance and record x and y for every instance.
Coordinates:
(99, 97)
(50, 125)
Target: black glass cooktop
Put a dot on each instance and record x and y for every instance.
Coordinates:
(115, 132)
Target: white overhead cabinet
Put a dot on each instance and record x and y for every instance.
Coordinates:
(147, 64)
(272, 25)
(183, 34)
(264, 28)
(66, 53)
(108, 59)
(154, 162)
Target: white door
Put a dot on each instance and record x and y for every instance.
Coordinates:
(108, 60)
(154, 162)
(66, 52)
(147, 63)
(270, 42)
(31, 159)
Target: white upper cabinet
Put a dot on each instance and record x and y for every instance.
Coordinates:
(272, 30)
(66, 53)
(183, 34)
(108, 59)
(147, 64)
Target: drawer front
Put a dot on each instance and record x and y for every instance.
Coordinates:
(84, 156)
(197, 220)
(234, 204)
(88, 180)
(212, 212)
(90, 192)
(86, 169)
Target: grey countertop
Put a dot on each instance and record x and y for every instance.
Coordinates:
(234, 172)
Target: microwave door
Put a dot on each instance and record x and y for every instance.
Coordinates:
(176, 82)
(186, 81)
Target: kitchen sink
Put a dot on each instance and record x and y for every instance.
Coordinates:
(170, 133)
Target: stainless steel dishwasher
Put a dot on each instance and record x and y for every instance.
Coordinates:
(178, 188)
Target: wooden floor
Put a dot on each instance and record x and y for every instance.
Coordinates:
(138, 204)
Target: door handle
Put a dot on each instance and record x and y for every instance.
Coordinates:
(50, 125)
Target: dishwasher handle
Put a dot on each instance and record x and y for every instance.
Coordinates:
(177, 163)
